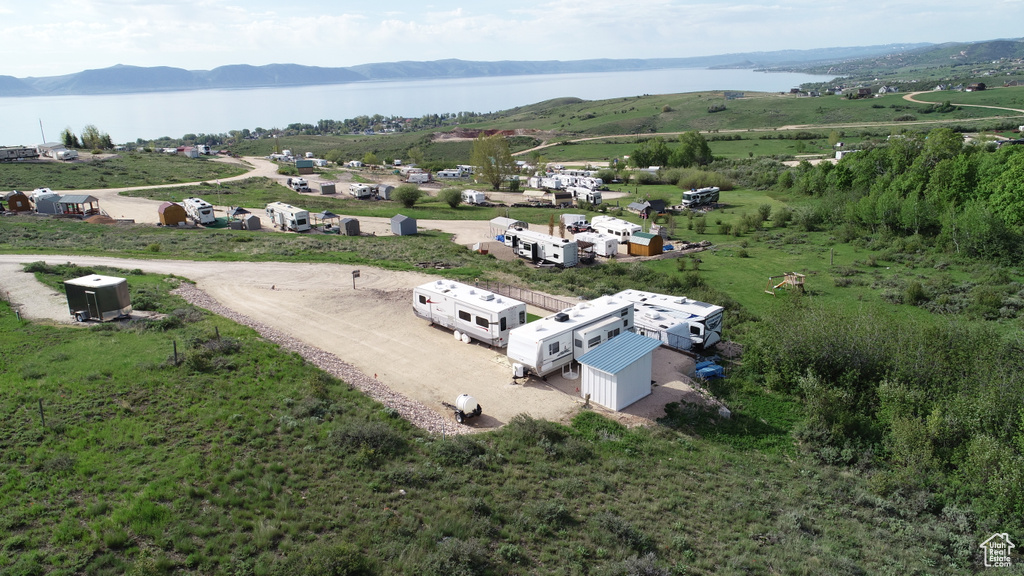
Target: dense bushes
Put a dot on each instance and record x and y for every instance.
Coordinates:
(938, 407)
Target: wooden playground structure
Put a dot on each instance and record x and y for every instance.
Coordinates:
(790, 280)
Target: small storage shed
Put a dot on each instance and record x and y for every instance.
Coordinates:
(327, 188)
(500, 224)
(402, 225)
(81, 204)
(645, 244)
(304, 166)
(618, 372)
(349, 227)
(251, 222)
(48, 203)
(172, 214)
(384, 191)
(98, 297)
(17, 201)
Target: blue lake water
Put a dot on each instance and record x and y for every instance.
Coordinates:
(127, 117)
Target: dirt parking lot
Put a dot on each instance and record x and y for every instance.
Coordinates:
(372, 328)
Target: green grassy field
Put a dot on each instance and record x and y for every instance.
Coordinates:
(123, 170)
(242, 459)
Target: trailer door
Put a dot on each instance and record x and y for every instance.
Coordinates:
(92, 304)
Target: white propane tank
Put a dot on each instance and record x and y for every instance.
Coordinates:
(465, 338)
(518, 370)
(465, 403)
(458, 335)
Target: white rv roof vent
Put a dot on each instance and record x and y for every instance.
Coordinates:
(440, 282)
(487, 296)
(472, 292)
(680, 300)
(653, 315)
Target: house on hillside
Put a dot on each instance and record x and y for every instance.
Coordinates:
(975, 87)
(888, 90)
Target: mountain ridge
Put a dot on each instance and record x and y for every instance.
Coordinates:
(126, 79)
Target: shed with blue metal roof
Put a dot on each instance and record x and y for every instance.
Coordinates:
(618, 372)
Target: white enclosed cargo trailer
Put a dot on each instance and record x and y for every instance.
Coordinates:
(474, 313)
(705, 320)
(550, 343)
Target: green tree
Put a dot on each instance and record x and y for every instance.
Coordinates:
(1007, 197)
(415, 155)
(653, 152)
(492, 159)
(692, 149)
(408, 194)
(69, 139)
(450, 196)
(370, 159)
(833, 138)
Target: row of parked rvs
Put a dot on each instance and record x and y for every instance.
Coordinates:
(546, 345)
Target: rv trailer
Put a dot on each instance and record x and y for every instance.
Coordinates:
(288, 217)
(672, 331)
(542, 247)
(705, 319)
(199, 210)
(360, 190)
(473, 197)
(604, 245)
(545, 345)
(617, 227)
(476, 314)
(700, 196)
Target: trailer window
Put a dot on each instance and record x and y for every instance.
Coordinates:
(301, 221)
(593, 341)
(694, 330)
(423, 299)
(552, 348)
(613, 333)
(481, 321)
(578, 343)
(624, 312)
(463, 315)
(502, 324)
(522, 318)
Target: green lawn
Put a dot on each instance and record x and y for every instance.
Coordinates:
(123, 170)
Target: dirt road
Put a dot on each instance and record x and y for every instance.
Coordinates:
(372, 328)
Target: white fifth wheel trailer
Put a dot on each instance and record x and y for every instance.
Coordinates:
(360, 190)
(617, 227)
(604, 245)
(705, 320)
(653, 322)
(199, 211)
(542, 247)
(288, 217)
(476, 314)
(545, 345)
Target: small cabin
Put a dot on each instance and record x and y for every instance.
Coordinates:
(17, 201)
(645, 244)
(171, 214)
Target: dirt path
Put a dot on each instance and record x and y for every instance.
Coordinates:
(371, 328)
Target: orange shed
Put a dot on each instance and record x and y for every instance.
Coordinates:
(171, 214)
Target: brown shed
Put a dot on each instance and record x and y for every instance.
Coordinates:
(171, 214)
(17, 201)
(644, 244)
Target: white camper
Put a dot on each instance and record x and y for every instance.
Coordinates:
(298, 184)
(419, 177)
(360, 190)
(542, 247)
(705, 320)
(616, 227)
(604, 244)
(700, 196)
(545, 345)
(199, 211)
(474, 313)
(580, 194)
(288, 217)
(570, 219)
(473, 197)
(653, 322)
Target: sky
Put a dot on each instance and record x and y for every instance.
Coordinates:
(49, 38)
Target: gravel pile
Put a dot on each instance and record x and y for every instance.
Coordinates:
(415, 412)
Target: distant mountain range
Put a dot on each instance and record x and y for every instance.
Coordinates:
(122, 79)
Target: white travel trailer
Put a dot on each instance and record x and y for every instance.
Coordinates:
(360, 190)
(542, 247)
(604, 245)
(705, 320)
(616, 227)
(199, 211)
(581, 194)
(473, 197)
(288, 217)
(473, 313)
(451, 173)
(419, 177)
(700, 196)
(545, 345)
(652, 322)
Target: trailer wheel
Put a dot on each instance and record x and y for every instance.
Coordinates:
(459, 416)
(79, 316)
